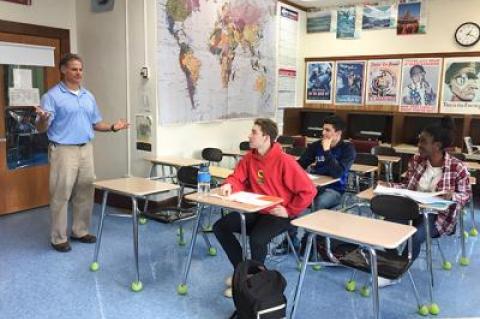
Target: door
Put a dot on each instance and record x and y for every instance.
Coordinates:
(25, 186)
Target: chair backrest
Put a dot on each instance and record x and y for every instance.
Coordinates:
(187, 176)
(212, 154)
(295, 151)
(459, 156)
(366, 159)
(384, 150)
(468, 144)
(395, 208)
(299, 141)
(363, 146)
(285, 140)
(244, 146)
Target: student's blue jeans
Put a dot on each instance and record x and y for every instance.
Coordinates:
(420, 235)
(326, 198)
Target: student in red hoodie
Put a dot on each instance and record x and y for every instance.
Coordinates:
(265, 170)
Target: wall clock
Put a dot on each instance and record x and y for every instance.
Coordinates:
(467, 34)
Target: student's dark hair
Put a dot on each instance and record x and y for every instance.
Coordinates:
(268, 127)
(69, 57)
(443, 131)
(336, 121)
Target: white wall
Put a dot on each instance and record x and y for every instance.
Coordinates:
(50, 13)
(101, 43)
(444, 16)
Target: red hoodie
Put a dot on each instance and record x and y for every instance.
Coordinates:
(275, 174)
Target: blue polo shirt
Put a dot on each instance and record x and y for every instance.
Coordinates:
(71, 116)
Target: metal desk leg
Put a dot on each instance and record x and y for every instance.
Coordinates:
(374, 273)
(182, 289)
(151, 175)
(136, 285)
(473, 231)
(387, 171)
(296, 298)
(464, 260)
(372, 179)
(433, 308)
(94, 266)
(243, 228)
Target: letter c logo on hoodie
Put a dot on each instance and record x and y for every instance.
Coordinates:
(260, 177)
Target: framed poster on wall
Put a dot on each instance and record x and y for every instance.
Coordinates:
(350, 82)
(461, 85)
(420, 85)
(383, 81)
(319, 82)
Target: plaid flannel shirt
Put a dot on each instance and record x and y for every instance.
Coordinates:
(455, 179)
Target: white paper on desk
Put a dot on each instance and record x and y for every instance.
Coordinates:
(419, 197)
(248, 198)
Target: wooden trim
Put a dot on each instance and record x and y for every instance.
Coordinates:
(37, 30)
(289, 3)
(397, 56)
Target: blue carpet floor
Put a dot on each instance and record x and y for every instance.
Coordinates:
(38, 282)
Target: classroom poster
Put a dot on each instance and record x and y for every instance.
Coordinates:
(346, 23)
(350, 82)
(420, 85)
(377, 17)
(319, 83)
(461, 85)
(383, 81)
(319, 21)
(408, 18)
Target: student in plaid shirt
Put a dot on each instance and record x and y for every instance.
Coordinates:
(433, 169)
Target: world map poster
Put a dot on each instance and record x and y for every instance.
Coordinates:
(215, 59)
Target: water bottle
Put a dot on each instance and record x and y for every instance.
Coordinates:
(203, 179)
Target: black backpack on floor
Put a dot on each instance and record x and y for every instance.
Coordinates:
(258, 292)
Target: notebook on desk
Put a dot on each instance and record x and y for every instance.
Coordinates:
(430, 199)
(251, 198)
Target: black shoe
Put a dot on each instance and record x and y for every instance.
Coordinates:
(281, 249)
(63, 247)
(87, 239)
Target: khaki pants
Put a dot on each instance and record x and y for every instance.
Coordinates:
(71, 177)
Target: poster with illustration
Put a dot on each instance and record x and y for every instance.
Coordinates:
(377, 17)
(350, 82)
(319, 21)
(461, 86)
(383, 81)
(346, 23)
(319, 82)
(409, 18)
(420, 85)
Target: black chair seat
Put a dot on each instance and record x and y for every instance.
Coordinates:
(389, 264)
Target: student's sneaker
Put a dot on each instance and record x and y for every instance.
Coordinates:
(228, 281)
(281, 249)
(228, 293)
(384, 282)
